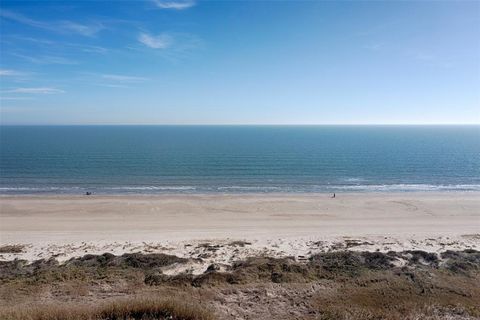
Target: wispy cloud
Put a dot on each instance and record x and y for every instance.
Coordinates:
(110, 85)
(428, 58)
(15, 98)
(63, 26)
(46, 59)
(37, 90)
(91, 49)
(374, 46)
(170, 46)
(15, 75)
(20, 18)
(111, 80)
(10, 73)
(50, 44)
(174, 5)
(82, 29)
(161, 41)
(122, 78)
(39, 41)
(420, 55)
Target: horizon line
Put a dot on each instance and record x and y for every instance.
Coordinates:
(239, 124)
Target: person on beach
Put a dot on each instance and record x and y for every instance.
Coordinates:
(333, 195)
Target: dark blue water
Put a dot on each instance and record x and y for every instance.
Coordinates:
(170, 159)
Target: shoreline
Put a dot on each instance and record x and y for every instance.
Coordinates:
(239, 194)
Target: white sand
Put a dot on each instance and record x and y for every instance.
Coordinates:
(277, 224)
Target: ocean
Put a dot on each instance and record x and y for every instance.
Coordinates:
(237, 159)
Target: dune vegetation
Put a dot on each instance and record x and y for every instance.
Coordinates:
(333, 285)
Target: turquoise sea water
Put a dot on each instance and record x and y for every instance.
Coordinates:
(172, 159)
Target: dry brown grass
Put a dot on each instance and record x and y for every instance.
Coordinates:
(145, 308)
(425, 295)
(427, 312)
(239, 243)
(12, 248)
(337, 285)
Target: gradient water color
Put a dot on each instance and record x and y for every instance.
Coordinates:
(232, 159)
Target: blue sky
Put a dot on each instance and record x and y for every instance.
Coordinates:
(239, 62)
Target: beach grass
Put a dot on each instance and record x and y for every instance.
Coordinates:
(333, 285)
(12, 248)
(146, 308)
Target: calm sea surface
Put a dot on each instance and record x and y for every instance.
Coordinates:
(189, 159)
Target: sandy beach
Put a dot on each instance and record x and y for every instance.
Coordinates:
(242, 256)
(280, 224)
